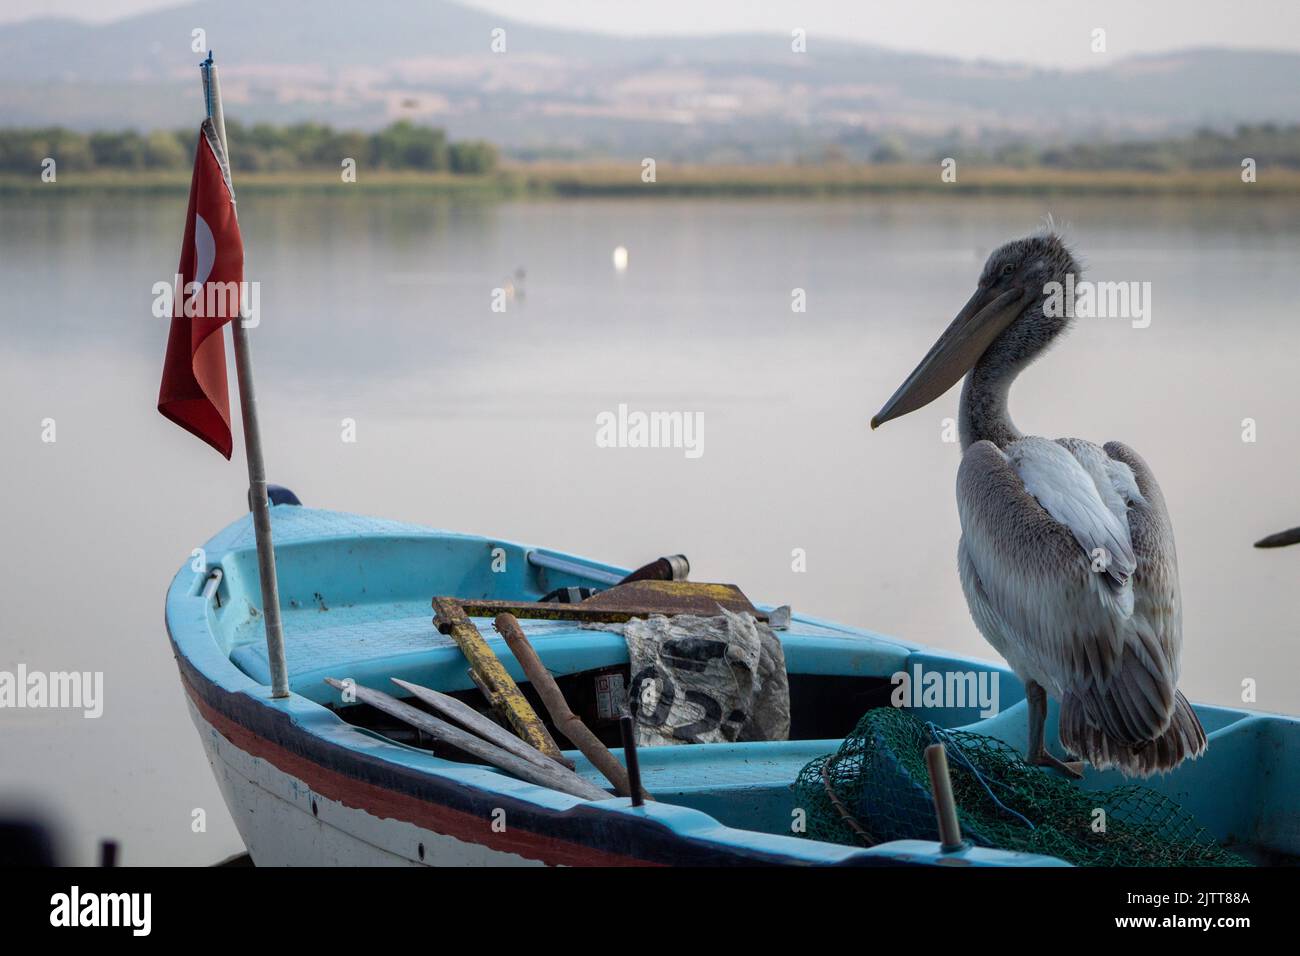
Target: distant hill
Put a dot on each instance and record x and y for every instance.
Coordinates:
(560, 93)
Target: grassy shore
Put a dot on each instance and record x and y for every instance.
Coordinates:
(590, 180)
(563, 180)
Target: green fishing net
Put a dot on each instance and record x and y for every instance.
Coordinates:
(875, 789)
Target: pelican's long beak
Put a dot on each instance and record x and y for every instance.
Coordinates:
(1280, 540)
(980, 321)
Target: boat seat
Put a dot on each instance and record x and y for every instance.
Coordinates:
(375, 641)
(747, 785)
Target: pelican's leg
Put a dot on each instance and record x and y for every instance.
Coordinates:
(1038, 755)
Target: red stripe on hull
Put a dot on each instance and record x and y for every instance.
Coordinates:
(382, 802)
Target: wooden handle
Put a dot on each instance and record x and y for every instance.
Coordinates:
(566, 721)
(498, 685)
(945, 808)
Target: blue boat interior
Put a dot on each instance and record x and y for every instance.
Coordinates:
(356, 598)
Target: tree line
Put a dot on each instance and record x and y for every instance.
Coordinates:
(260, 148)
(1268, 143)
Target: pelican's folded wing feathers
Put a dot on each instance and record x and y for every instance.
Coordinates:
(1067, 563)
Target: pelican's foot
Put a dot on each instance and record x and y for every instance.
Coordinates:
(1072, 769)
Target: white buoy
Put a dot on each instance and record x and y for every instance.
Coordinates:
(620, 258)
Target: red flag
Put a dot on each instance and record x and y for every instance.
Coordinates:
(194, 393)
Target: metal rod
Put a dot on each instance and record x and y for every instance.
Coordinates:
(936, 761)
(630, 758)
(257, 500)
(552, 563)
(211, 584)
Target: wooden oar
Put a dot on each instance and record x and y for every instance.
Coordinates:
(566, 721)
(492, 678)
(471, 719)
(566, 781)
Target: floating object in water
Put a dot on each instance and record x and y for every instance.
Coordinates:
(620, 258)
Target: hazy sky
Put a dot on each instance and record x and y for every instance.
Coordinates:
(1045, 32)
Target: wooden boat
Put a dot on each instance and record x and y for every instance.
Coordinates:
(312, 782)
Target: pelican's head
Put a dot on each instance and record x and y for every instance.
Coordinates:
(1017, 309)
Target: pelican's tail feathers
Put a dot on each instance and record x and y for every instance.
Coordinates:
(1183, 739)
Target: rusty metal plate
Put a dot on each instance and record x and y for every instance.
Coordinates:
(636, 599)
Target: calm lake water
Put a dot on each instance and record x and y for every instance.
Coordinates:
(379, 310)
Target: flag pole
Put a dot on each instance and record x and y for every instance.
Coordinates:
(257, 498)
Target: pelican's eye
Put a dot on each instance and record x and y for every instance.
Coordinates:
(1008, 269)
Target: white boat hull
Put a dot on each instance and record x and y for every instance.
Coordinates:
(284, 823)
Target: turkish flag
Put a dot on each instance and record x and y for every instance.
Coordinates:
(194, 392)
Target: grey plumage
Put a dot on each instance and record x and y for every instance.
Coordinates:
(1067, 553)
(1034, 593)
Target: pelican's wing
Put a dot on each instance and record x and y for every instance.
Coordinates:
(1157, 601)
(1079, 486)
(1033, 521)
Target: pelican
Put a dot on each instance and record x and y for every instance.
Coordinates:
(1067, 553)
